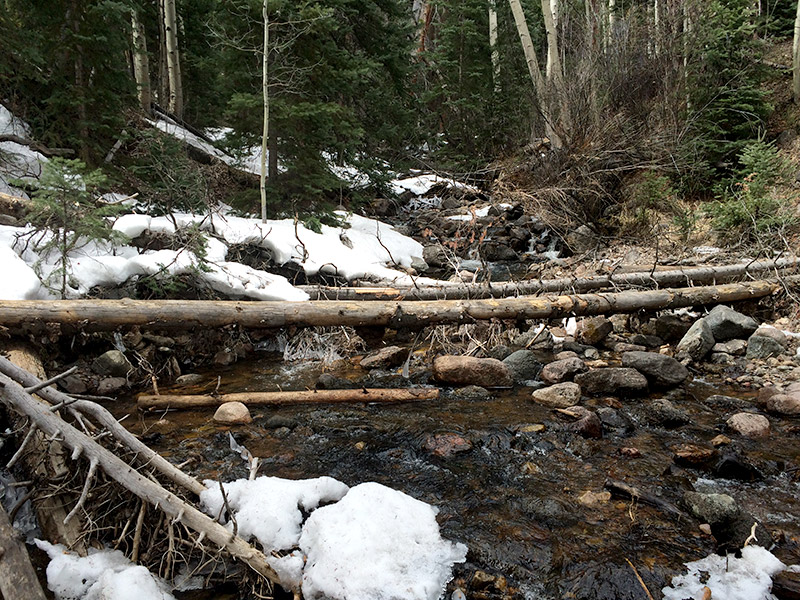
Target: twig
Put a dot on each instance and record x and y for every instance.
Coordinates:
(641, 582)
(43, 384)
(84, 492)
(18, 454)
(137, 535)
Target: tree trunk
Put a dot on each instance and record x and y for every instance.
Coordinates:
(550, 15)
(150, 402)
(80, 83)
(141, 63)
(17, 575)
(105, 315)
(265, 104)
(175, 104)
(796, 57)
(495, 53)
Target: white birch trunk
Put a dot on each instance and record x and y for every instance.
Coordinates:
(265, 98)
(493, 44)
(796, 57)
(553, 56)
(173, 59)
(141, 64)
(612, 22)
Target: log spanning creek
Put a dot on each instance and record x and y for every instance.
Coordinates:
(546, 510)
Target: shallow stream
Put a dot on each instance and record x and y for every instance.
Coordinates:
(514, 492)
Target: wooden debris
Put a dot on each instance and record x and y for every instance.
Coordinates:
(619, 488)
(151, 402)
(17, 575)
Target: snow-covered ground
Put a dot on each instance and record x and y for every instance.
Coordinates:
(17, 161)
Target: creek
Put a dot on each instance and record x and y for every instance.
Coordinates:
(513, 487)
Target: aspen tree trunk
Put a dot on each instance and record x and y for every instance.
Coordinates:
(265, 99)
(656, 27)
(612, 22)
(796, 57)
(141, 64)
(555, 71)
(80, 82)
(553, 56)
(493, 44)
(173, 59)
(687, 26)
(163, 79)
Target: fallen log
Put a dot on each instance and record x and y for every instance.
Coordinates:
(24, 316)
(17, 576)
(650, 279)
(150, 402)
(16, 399)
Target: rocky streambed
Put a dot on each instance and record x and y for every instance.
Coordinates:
(572, 458)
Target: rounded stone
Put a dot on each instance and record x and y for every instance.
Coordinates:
(560, 395)
(749, 424)
(233, 413)
(784, 404)
(469, 370)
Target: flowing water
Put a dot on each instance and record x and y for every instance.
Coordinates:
(514, 497)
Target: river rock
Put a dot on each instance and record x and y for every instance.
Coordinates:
(435, 255)
(471, 392)
(445, 445)
(73, 384)
(523, 365)
(593, 330)
(232, 413)
(749, 424)
(727, 324)
(111, 385)
(660, 370)
(534, 339)
(763, 347)
(112, 364)
(711, 508)
(692, 455)
(671, 327)
(562, 370)
(663, 412)
(621, 347)
(697, 342)
(391, 356)
(469, 370)
(588, 424)
(784, 404)
(616, 381)
(649, 341)
(560, 395)
(190, 379)
(774, 333)
(329, 381)
(732, 347)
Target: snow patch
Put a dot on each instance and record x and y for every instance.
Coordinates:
(419, 185)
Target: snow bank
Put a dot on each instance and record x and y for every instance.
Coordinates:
(103, 575)
(419, 185)
(17, 161)
(728, 578)
(376, 543)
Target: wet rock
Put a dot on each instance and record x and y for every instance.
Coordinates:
(435, 255)
(786, 585)
(113, 364)
(445, 445)
(471, 392)
(727, 324)
(190, 379)
(577, 347)
(224, 358)
(594, 330)
(665, 413)
(592, 499)
(111, 385)
(784, 404)
(499, 252)
(731, 465)
(328, 381)
(733, 347)
(711, 508)
(692, 455)
(562, 370)
(761, 347)
(560, 395)
(766, 392)
(621, 347)
(697, 342)
(724, 403)
(613, 419)
(232, 413)
(749, 424)
(565, 354)
(660, 370)
(617, 381)
(649, 341)
(73, 384)
(671, 328)
(588, 424)
(391, 356)
(720, 440)
(774, 333)
(500, 352)
(523, 365)
(533, 339)
(468, 370)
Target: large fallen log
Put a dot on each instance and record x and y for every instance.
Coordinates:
(15, 398)
(150, 402)
(649, 279)
(102, 315)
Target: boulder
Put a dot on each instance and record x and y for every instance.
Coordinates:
(468, 370)
(533, 339)
(581, 240)
(593, 330)
(112, 364)
(435, 256)
(232, 413)
(615, 381)
(523, 365)
(111, 385)
(671, 328)
(560, 395)
(562, 370)
(774, 333)
(711, 508)
(588, 424)
(665, 413)
(749, 424)
(660, 370)
(728, 324)
(762, 347)
(698, 341)
(390, 356)
(784, 404)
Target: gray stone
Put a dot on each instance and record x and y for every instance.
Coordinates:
(224, 358)
(468, 370)
(749, 424)
(562, 370)
(535, 340)
(761, 347)
(435, 256)
(593, 330)
(650, 341)
(419, 264)
(728, 324)
(390, 356)
(523, 365)
(581, 239)
(232, 413)
(733, 347)
(784, 404)
(111, 385)
(500, 352)
(112, 364)
(720, 358)
(711, 508)
(560, 395)
(663, 412)
(471, 392)
(615, 381)
(660, 370)
(621, 347)
(9, 220)
(190, 379)
(774, 333)
(671, 328)
(73, 384)
(697, 342)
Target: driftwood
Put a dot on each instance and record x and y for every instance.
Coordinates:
(17, 576)
(620, 488)
(150, 402)
(104, 315)
(650, 279)
(49, 422)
